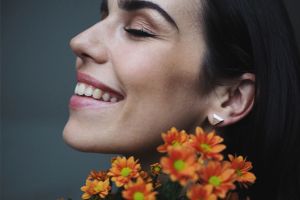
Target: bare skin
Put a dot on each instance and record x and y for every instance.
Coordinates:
(157, 73)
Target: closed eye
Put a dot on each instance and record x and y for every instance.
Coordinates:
(139, 32)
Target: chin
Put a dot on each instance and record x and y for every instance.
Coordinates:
(78, 139)
(97, 142)
(73, 141)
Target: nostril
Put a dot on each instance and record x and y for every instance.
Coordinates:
(87, 45)
(79, 47)
(84, 55)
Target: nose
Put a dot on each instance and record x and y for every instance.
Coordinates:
(89, 45)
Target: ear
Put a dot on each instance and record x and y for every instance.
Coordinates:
(231, 103)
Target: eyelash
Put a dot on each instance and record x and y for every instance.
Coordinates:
(138, 32)
(134, 32)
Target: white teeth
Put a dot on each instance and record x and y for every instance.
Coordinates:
(89, 91)
(76, 89)
(106, 96)
(113, 100)
(97, 93)
(81, 88)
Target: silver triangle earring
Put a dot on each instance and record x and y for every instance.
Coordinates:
(216, 119)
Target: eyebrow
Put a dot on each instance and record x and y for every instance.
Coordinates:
(132, 5)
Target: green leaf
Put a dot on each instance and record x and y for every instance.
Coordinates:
(169, 191)
(95, 197)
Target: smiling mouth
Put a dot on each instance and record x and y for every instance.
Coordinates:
(83, 89)
(87, 86)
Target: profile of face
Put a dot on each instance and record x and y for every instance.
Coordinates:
(138, 74)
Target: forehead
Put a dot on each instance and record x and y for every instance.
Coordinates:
(186, 13)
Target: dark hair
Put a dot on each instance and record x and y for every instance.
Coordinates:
(256, 36)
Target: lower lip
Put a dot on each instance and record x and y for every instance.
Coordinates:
(77, 102)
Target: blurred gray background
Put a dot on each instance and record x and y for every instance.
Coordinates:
(37, 80)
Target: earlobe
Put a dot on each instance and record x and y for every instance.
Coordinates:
(215, 119)
(235, 103)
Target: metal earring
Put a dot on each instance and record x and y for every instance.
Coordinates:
(216, 119)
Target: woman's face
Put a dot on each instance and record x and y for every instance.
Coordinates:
(145, 57)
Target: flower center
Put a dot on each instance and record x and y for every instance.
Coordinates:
(179, 165)
(238, 172)
(125, 171)
(138, 196)
(205, 147)
(176, 143)
(215, 181)
(98, 187)
(157, 169)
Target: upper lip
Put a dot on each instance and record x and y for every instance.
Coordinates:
(85, 78)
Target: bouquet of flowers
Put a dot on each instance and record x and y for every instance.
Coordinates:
(191, 167)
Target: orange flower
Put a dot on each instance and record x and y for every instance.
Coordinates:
(172, 138)
(181, 164)
(234, 196)
(88, 189)
(139, 190)
(208, 144)
(200, 192)
(123, 170)
(95, 187)
(98, 175)
(219, 175)
(242, 168)
(145, 176)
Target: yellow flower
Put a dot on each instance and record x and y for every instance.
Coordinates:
(181, 164)
(200, 192)
(172, 138)
(95, 187)
(123, 170)
(208, 144)
(139, 190)
(242, 168)
(219, 175)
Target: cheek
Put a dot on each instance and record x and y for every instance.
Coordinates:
(140, 67)
(157, 68)
(158, 83)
